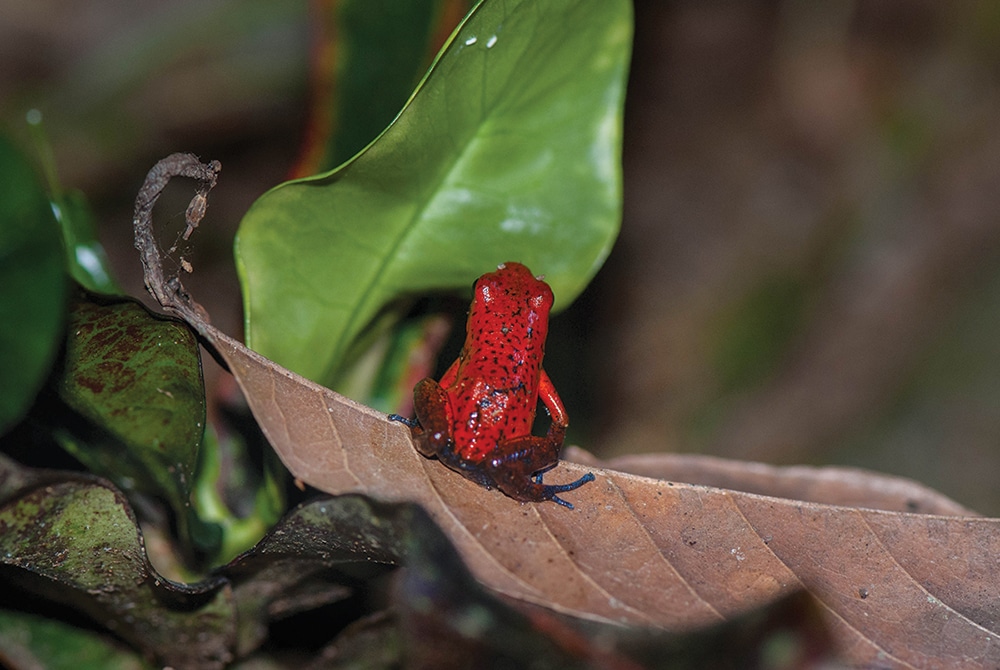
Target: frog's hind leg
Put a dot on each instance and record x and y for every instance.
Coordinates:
(518, 472)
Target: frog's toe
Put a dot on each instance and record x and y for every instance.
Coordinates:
(557, 499)
(550, 490)
(412, 423)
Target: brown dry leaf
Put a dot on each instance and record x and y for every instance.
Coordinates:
(898, 589)
(847, 487)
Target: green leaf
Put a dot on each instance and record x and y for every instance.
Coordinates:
(366, 41)
(136, 379)
(87, 260)
(74, 540)
(227, 479)
(311, 556)
(508, 150)
(85, 257)
(28, 641)
(32, 286)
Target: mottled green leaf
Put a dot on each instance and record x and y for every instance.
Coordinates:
(508, 150)
(32, 286)
(75, 542)
(309, 556)
(136, 379)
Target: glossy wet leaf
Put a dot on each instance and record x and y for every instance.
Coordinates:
(85, 257)
(136, 380)
(508, 150)
(88, 263)
(32, 285)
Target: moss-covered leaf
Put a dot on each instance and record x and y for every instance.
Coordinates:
(308, 559)
(508, 150)
(75, 541)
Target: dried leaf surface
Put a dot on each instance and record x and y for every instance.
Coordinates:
(900, 589)
(848, 487)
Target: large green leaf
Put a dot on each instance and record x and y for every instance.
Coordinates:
(32, 285)
(508, 150)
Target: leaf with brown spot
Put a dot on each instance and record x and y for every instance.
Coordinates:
(133, 383)
(897, 589)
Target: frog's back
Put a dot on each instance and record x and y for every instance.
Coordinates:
(495, 393)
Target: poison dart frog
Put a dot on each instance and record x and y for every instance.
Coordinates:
(477, 420)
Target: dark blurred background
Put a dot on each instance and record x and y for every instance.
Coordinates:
(809, 264)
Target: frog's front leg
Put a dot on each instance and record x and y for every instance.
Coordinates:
(432, 431)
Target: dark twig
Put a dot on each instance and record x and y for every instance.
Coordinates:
(168, 291)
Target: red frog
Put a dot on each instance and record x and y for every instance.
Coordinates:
(477, 420)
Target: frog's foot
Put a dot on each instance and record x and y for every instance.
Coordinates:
(412, 423)
(549, 491)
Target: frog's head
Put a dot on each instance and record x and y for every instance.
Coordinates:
(511, 288)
